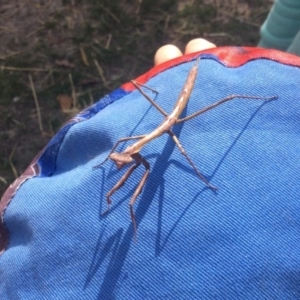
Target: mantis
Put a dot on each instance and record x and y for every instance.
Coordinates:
(131, 155)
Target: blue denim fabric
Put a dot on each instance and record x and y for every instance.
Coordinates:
(241, 242)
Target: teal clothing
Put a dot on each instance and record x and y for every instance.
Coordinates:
(281, 29)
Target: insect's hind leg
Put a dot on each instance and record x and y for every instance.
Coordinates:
(182, 150)
(138, 87)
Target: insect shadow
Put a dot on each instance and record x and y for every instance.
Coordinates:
(131, 155)
(116, 246)
(160, 243)
(119, 248)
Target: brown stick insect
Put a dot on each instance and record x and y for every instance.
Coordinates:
(132, 153)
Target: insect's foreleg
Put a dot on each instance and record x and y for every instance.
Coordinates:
(182, 150)
(116, 145)
(207, 108)
(119, 184)
(139, 159)
(138, 85)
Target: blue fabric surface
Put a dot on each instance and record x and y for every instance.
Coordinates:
(241, 242)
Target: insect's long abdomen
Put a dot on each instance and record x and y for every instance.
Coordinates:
(185, 92)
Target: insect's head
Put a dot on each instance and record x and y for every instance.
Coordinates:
(120, 159)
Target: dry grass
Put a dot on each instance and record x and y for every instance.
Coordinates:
(55, 49)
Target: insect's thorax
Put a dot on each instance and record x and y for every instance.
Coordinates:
(171, 119)
(161, 129)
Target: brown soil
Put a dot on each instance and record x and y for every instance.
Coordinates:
(87, 49)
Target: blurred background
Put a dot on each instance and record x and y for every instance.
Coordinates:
(59, 56)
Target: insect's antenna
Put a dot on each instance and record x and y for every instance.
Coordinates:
(99, 165)
(116, 145)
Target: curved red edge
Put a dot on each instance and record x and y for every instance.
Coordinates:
(232, 57)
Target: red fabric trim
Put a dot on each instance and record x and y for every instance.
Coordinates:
(229, 56)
